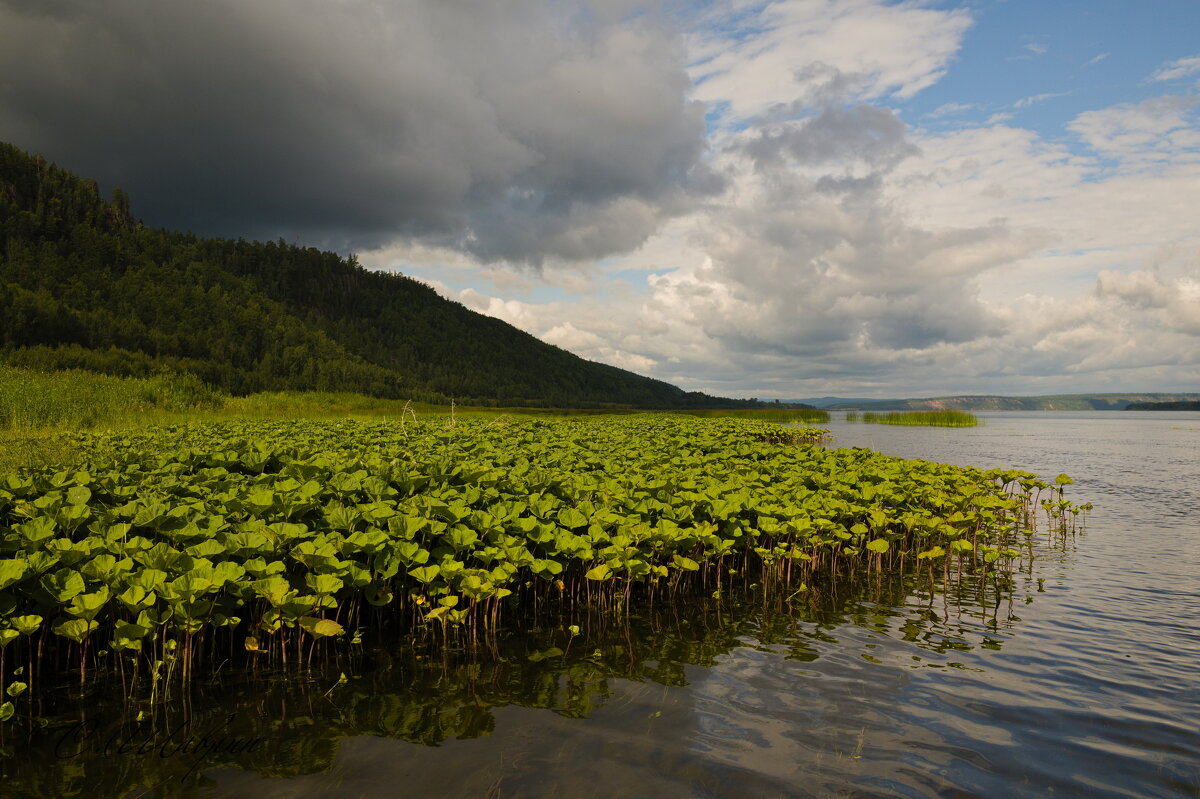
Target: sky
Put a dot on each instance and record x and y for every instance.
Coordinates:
(788, 199)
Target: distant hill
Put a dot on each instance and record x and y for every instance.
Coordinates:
(1193, 405)
(829, 402)
(1050, 402)
(84, 285)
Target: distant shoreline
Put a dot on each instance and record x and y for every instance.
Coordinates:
(1193, 405)
(994, 402)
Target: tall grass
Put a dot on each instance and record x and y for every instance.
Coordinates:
(37, 407)
(31, 400)
(922, 418)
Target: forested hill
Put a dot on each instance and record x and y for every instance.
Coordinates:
(1048, 402)
(83, 284)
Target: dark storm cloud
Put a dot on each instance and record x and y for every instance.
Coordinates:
(520, 130)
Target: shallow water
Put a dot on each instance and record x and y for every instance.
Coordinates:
(1091, 688)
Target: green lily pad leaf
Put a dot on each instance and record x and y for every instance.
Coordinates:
(323, 584)
(12, 571)
(86, 606)
(37, 530)
(76, 629)
(64, 585)
(686, 564)
(26, 625)
(436, 613)
(149, 579)
(100, 568)
(128, 636)
(275, 589)
(572, 518)
(135, 597)
(227, 572)
(320, 628)
(878, 545)
(601, 572)
(188, 588)
(426, 574)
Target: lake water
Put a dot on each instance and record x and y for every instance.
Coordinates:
(1087, 684)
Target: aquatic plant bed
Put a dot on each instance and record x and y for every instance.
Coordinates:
(174, 549)
(921, 418)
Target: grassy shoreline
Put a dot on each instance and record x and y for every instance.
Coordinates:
(37, 408)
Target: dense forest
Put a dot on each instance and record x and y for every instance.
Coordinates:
(84, 285)
(1047, 402)
(1184, 405)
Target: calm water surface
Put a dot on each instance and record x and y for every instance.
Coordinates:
(1086, 684)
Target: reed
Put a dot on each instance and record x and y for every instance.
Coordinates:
(922, 418)
(31, 400)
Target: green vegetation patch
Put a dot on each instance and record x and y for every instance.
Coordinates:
(168, 548)
(32, 400)
(920, 418)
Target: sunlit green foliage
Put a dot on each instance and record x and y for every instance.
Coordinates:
(170, 546)
(921, 418)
